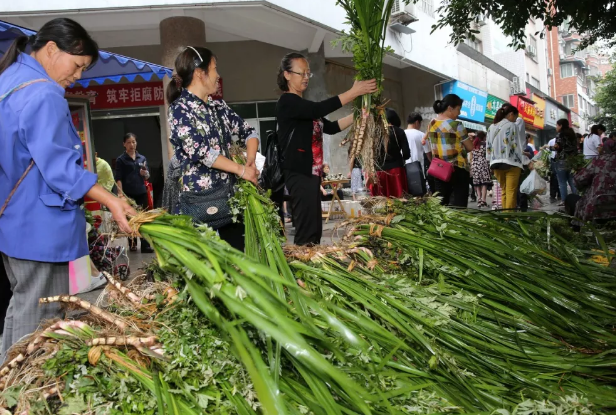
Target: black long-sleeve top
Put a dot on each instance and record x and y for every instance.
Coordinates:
(398, 150)
(296, 115)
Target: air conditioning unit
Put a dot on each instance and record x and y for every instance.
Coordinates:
(402, 14)
(531, 50)
(517, 86)
(549, 71)
(563, 56)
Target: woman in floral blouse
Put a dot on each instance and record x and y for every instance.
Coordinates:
(201, 133)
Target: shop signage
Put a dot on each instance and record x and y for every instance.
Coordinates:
(551, 114)
(539, 121)
(134, 95)
(526, 108)
(475, 100)
(493, 104)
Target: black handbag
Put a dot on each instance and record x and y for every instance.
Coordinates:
(415, 179)
(271, 176)
(210, 207)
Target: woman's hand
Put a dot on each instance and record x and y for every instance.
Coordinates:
(249, 173)
(120, 209)
(364, 87)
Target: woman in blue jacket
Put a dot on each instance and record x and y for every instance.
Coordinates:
(42, 179)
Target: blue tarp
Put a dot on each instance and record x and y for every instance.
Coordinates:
(110, 66)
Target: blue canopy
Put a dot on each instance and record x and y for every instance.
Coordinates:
(110, 66)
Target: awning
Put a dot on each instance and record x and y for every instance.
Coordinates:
(110, 66)
(474, 126)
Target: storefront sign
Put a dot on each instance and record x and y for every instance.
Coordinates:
(145, 94)
(526, 108)
(539, 112)
(551, 114)
(493, 104)
(475, 100)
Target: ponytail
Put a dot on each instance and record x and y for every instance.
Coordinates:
(449, 100)
(437, 106)
(503, 111)
(189, 60)
(67, 34)
(10, 57)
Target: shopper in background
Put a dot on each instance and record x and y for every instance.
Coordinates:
(554, 190)
(43, 227)
(593, 143)
(173, 186)
(566, 149)
(480, 169)
(130, 175)
(504, 153)
(415, 140)
(104, 173)
(301, 125)
(391, 175)
(202, 132)
(528, 151)
(446, 135)
(357, 183)
(598, 181)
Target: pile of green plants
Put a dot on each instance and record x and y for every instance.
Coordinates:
(422, 309)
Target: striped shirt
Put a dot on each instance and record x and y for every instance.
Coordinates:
(446, 138)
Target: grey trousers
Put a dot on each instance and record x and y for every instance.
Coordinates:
(31, 280)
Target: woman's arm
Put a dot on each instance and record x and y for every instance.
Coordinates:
(293, 106)
(403, 143)
(345, 122)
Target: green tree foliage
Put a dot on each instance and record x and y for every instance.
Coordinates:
(595, 19)
(606, 101)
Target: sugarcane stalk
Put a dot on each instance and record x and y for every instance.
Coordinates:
(123, 341)
(124, 290)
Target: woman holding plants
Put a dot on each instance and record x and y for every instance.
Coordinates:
(504, 147)
(201, 135)
(447, 136)
(42, 179)
(301, 125)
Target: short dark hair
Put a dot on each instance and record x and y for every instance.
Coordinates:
(129, 135)
(286, 65)
(449, 100)
(392, 117)
(613, 135)
(68, 35)
(413, 118)
(595, 129)
(564, 123)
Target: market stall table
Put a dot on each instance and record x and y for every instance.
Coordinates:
(336, 185)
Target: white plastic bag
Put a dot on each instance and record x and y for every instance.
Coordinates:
(534, 184)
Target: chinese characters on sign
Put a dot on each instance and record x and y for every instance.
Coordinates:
(145, 94)
(475, 100)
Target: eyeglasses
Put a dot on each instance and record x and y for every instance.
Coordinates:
(303, 75)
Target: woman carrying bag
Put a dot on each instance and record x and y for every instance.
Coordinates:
(449, 140)
(504, 147)
(42, 179)
(201, 134)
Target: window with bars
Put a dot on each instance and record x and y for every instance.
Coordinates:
(569, 101)
(475, 44)
(426, 6)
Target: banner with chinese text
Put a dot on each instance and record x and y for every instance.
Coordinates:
(134, 95)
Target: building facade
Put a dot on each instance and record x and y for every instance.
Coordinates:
(249, 38)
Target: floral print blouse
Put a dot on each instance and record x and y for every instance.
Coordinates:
(200, 132)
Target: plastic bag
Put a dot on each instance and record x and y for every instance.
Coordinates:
(534, 184)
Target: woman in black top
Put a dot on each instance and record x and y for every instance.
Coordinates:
(391, 175)
(566, 150)
(301, 125)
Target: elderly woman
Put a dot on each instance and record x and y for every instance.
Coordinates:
(598, 182)
(42, 178)
(301, 125)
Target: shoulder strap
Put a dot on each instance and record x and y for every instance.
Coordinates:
(23, 176)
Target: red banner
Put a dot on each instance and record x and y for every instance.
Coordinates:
(145, 94)
(527, 109)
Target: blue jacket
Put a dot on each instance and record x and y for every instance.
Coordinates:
(43, 221)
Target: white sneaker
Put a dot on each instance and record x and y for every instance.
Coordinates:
(95, 282)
